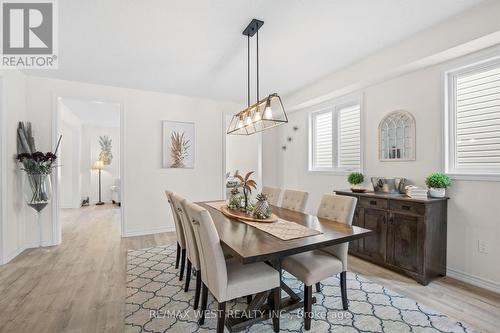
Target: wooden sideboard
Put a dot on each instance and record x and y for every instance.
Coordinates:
(409, 237)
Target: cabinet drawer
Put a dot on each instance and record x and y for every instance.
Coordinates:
(407, 207)
(373, 203)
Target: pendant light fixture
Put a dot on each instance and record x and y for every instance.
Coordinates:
(264, 114)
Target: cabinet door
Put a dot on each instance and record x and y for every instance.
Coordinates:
(374, 246)
(405, 248)
(354, 245)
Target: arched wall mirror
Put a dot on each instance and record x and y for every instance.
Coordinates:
(397, 137)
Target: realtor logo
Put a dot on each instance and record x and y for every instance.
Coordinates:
(28, 34)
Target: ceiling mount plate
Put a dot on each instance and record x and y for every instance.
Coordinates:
(252, 28)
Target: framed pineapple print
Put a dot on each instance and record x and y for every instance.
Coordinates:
(178, 145)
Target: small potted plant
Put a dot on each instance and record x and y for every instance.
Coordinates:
(438, 183)
(356, 178)
(234, 200)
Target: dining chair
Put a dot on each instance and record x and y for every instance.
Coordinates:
(295, 200)
(229, 279)
(193, 260)
(273, 194)
(314, 266)
(181, 241)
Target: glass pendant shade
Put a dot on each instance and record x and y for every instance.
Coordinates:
(266, 113)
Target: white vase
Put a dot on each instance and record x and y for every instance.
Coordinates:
(437, 192)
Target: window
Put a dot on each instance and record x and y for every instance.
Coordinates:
(335, 138)
(473, 120)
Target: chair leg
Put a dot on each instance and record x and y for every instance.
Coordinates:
(198, 289)
(204, 298)
(221, 317)
(318, 287)
(307, 307)
(249, 299)
(183, 264)
(276, 309)
(343, 289)
(178, 256)
(188, 275)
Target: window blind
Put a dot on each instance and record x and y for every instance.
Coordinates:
(323, 144)
(477, 127)
(350, 137)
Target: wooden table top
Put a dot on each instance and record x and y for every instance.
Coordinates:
(249, 244)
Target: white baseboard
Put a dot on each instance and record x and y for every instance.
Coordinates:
(473, 280)
(142, 232)
(9, 256)
(32, 245)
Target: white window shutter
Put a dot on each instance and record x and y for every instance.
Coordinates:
(322, 140)
(350, 138)
(477, 127)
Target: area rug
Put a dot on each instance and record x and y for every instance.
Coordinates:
(156, 302)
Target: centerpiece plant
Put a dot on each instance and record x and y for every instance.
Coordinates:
(246, 183)
(234, 200)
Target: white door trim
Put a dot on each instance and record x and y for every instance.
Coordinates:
(56, 177)
(3, 171)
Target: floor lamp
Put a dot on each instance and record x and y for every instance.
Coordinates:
(99, 165)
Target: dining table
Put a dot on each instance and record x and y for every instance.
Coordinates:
(249, 244)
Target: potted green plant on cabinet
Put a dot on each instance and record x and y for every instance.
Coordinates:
(356, 178)
(438, 183)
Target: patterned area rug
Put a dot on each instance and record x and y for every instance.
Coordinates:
(156, 302)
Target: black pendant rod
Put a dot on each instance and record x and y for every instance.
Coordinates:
(258, 65)
(248, 70)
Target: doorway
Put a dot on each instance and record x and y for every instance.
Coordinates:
(89, 181)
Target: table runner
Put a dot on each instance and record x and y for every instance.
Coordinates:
(282, 229)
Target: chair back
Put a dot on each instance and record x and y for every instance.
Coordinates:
(179, 230)
(192, 247)
(213, 263)
(273, 194)
(295, 200)
(339, 208)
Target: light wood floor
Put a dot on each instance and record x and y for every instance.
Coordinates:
(79, 286)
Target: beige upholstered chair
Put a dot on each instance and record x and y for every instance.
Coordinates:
(273, 194)
(295, 200)
(181, 241)
(314, 266)
(193, 259)
(228, 280)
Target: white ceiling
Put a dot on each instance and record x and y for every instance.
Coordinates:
(92, 113)
(195, 47)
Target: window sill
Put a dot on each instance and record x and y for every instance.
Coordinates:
(494, 177)
(330, 172)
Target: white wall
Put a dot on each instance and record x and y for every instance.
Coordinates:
(144, 204)
(111, 172)
(13, 208)
(243, 153)
(473, 210)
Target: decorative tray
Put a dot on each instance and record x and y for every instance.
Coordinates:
(236, 214)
